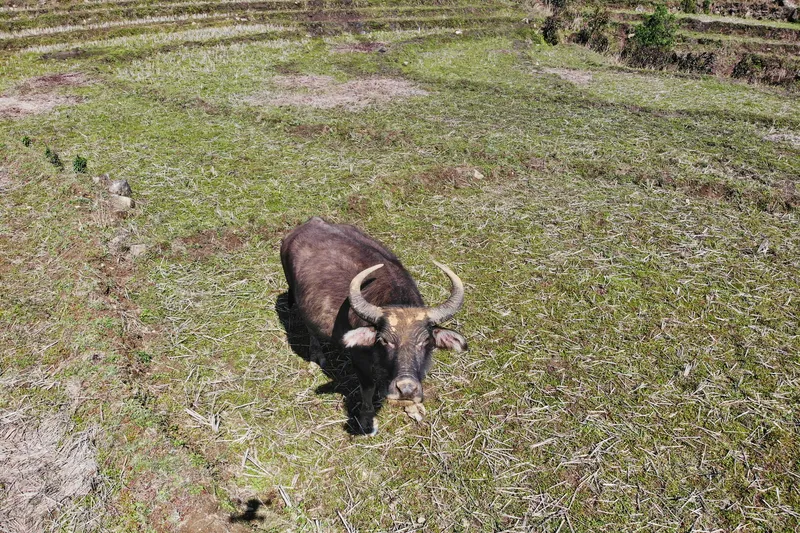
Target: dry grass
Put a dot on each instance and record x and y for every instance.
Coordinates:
(324, 92)
(790, 138)
(151, 39)
(44, 467)
(578, 77)
(30, 32)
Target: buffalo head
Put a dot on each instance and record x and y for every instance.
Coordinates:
(406, 334)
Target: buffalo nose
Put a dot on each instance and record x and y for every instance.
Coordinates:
(408, 388)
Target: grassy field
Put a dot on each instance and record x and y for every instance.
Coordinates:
(629, 243)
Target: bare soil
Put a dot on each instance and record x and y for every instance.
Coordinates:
(578, 77)
(49, 82)
(21, 106)
(324, 92)
(207, 243)
(40, 95)
(443, 179)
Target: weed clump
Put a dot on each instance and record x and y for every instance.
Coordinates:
(26, 141)
(79, 164)
(143, 357)
(688, 6)
(530, 35)
(651, 45)
(53, 158)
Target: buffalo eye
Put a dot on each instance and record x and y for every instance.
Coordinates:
(384, 342)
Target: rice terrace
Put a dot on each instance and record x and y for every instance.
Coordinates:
(610, 190)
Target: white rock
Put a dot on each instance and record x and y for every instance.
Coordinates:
(119, 244)
(121, 203)
(120, 187)
(137, 249)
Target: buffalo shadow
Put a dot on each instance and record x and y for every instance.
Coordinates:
(250, 512)
(338, 368)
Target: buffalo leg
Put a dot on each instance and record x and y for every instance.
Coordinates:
(362, 363)
(315, 353)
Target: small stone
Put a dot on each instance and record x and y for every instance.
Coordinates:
(421, 520)
(459, 32)
(121, 203)
(477, 174)
(137, 249)
(120, 187)
(119, 244)
(101, 180)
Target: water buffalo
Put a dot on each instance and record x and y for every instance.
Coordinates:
(350, 290)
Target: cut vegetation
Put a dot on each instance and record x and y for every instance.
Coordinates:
(324, 92)
(628, 239)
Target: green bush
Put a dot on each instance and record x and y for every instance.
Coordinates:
(26, 141)
(657, 30)
(688, 6)
(707, 6)
(651, 45)
(79, 164)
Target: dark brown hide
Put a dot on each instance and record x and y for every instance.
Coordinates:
(320, 260)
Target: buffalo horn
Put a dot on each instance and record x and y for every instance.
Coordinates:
(364, 309)
(453, 304)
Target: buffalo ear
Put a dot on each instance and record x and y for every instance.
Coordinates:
(364, 336)
(447, 339)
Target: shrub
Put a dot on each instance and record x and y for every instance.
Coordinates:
(53, 158)
(558, 4)
(79, 164)
(550, 29)
(657, 30)
(688, 6)
(707, 7)
(651, 45)
(593, 31)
